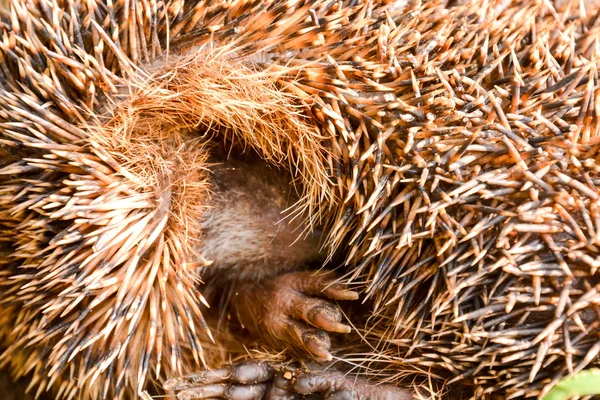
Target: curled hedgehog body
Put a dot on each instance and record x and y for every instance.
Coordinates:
(448, 148)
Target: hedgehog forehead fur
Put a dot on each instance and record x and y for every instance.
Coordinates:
(455, 156)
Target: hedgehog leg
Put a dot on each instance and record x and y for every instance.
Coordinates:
(243, 381)
(295, 310)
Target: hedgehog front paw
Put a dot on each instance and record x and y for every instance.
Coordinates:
(243, 381)
(295, 313)
(300, 318)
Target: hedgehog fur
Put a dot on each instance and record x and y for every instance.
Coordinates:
(449, 147)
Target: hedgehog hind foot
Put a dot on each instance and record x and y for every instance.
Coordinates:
(335, 385)
(297, 311)
(243, 381)
(261, 381)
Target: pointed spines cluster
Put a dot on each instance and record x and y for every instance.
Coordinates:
(457, 156)
(471, 187)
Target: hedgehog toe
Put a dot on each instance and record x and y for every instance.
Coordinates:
(242, 373)
(224, 391)
(318, 284)
(318, 313)
(297, 335)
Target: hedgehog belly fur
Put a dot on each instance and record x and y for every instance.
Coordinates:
(245, 232)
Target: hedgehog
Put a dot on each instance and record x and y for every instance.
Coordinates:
(447, 149)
